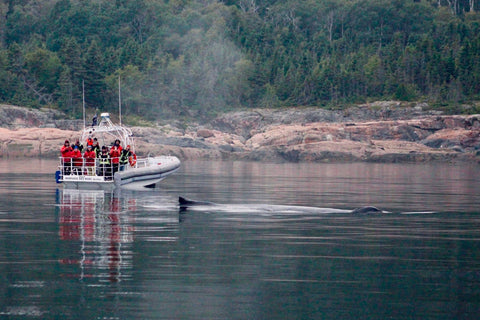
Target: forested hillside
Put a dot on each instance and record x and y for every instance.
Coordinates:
(179, 58)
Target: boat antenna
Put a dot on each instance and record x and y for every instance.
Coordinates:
(83, 102)
(119, 102)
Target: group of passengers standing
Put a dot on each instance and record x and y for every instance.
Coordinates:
(109, 161)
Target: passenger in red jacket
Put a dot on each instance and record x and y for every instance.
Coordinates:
(115, 153)
(77, 160)
(89, 141)
(89, 157)
(66, 152)
(117, 144)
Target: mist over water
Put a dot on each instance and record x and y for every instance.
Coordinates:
(198, 71)
(132, 254)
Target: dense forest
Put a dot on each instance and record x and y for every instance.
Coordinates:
(191, 58)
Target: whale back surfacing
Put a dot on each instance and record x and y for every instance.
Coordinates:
(366, 210)
(186, 203)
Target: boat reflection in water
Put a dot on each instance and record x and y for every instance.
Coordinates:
(99, 227)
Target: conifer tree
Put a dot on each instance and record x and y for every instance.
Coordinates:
(94, 77)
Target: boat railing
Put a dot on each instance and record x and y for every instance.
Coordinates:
(91, 167)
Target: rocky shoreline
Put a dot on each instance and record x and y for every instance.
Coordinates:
(378, 132)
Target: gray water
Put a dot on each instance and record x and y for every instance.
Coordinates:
(135, 255)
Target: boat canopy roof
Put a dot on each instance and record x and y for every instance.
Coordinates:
(107, 132)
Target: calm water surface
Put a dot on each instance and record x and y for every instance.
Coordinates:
(133, 255)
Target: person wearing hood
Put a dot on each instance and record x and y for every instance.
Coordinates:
(96, 147)
(79, 145)
(77, 160)
(127, 156)
(66, 152)
(104, 163)
(115, 153)
(89, 155)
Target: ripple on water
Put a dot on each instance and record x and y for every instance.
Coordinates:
(28, 284)
(29, 311)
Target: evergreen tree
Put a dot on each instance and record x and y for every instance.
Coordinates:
(94, 77)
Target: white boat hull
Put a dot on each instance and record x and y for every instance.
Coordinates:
(146, 173)
(87, 183)
(155, 170)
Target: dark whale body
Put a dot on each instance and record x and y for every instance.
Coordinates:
(185, 204)
(366, 210)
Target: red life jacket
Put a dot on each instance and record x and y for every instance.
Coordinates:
(90, 157)
(66, 152)
(77, 157)
(115, 155)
